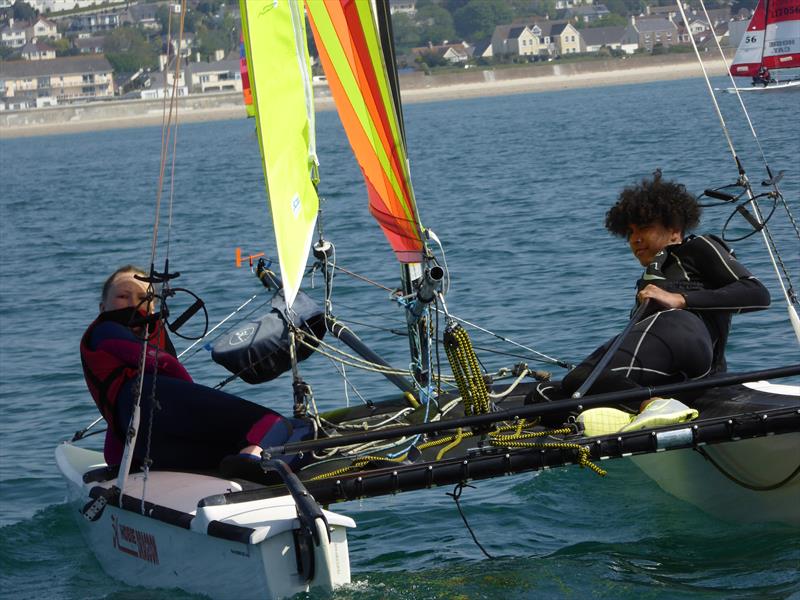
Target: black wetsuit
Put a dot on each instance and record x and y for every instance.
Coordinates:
(670, 345)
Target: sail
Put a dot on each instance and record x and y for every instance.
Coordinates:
(280, 81)
(248, 95)
(772, 38)
(352, 56)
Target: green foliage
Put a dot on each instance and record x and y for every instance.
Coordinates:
(477, 19)
(611, 20)
(128, 50)
(435, 25)
(6, 51)
(23, 11)
(406, 33)
(209, 41)
(659, 49)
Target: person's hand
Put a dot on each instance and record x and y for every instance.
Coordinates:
(668, 299)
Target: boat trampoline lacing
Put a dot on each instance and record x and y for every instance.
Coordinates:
(496, 438)
(744, 484)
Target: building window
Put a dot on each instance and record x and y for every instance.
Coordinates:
(43, 82)
(89, 89)
(88, 78)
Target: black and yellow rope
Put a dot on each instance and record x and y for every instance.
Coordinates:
(467, 370)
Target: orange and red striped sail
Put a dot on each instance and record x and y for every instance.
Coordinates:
(349, 45)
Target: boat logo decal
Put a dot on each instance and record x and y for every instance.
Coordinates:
(241, 336)
(296, 205)
(134, 542)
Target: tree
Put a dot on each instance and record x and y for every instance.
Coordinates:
(611, 20)
(477, 19)
(406, 32)
(24, 11)
(435, 25)
(209, 41)
(128, 50)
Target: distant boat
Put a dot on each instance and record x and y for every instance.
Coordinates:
(770, 43)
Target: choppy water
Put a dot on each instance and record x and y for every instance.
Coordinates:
(516, 187)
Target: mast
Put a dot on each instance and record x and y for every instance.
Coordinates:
(412, 275)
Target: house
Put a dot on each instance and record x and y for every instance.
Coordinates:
(186, 43)
(219, 76)
(37, 51)
(95, 23)
(54, 6)
(482, 50)
(66, 79)
(156, 88)
(519, 40)
(89, 44)
(142, 15)
(14, 35)
(564, 37)
(408, 7)
(452, 53)
(587, 14)
(594, 38)
(43, 29)
(562, 4)
(523, 42)
(650, 31)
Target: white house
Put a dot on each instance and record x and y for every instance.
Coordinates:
(14, 35)
(37, 51)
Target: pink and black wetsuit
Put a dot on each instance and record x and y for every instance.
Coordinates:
(193, 427)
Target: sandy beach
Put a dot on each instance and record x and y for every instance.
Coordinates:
(415, 87)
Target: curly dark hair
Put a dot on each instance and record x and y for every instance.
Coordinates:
(653, 201)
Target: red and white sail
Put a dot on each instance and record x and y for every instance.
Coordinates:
(772, 38)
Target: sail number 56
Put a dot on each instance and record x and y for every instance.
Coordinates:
(751, 39)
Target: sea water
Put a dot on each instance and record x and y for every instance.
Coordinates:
(516, 188)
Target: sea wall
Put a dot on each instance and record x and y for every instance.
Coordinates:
(415, 87)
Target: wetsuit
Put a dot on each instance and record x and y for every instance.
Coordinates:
(671, 345)
(193, 426)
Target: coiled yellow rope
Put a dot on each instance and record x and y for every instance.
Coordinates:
(467, 370)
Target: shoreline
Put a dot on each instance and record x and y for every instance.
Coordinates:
(415, 88)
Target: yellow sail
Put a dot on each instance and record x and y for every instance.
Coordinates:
(280, 80)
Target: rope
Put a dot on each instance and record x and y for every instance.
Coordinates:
(744, 484)
(456, 495)
(466, 369)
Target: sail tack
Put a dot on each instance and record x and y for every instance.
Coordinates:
(350, 50)
(280, 82)
(772, 39)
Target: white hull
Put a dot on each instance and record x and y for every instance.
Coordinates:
(758, 462)
(149, 552)
(774, 87)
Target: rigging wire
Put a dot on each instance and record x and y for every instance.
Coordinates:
(790, 298)
(133, 426)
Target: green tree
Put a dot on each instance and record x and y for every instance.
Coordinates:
(435, 24)
(128, 50)
(611, 20)
(24, 11)
(406, 32)
(209, 41)
(477, 19)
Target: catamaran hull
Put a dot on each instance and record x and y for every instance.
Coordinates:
(751, 482)
(774, 87)
(144, 551)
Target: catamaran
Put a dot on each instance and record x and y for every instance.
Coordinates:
(770, 43)
(733, 452)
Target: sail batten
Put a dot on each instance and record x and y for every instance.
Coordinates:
(772, 39)
(280, 81)
(350, 51)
